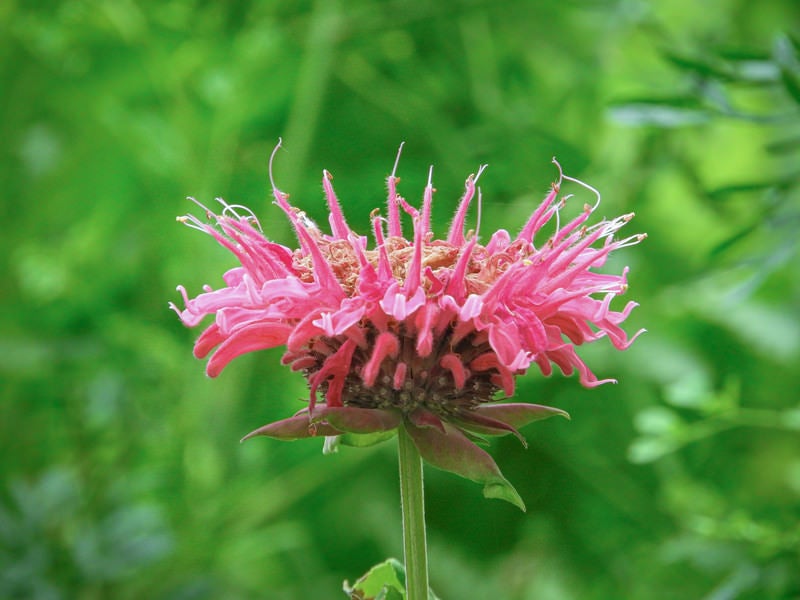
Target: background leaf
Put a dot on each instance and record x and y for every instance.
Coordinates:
(122, 475)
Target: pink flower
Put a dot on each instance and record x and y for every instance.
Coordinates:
(422, 333)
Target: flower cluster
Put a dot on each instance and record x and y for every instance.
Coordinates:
(416, 332)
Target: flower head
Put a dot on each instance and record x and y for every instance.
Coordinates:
(414, 332)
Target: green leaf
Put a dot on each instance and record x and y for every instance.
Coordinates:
(784, 146)
(732, 240)
(708, 67)
(663, 114)
(657, 421)
(381, 580)
(791, 82)
(384, 581)
(791, 418)
(649, 449)
(453, 451)
(722, 192)
(786, 55)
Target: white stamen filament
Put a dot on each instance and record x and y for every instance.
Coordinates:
(480, 210)
(397, 160)
(271, 160)
(587, 186)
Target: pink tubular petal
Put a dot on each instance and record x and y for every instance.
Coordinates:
(304, 362)
(210, 338)
(335, 366)
(499, 242)
(456, 234)
(531, 330)
(504, 379)
(473, 306)
(339, 226)
(425, 320)
(336, 323)
(384, 264)
(399, 375)
(462, 330)
(303, 331)
(454, 364)
(521, 362)
(505, 342)
(323, 273)
(393, 208)
(567, 360)
(540, 216)
(386, 344)
(456, 287)
(436, 284)
(397, 305)
(256, 336)
(427, 200)
(544, 364)
(414, 269)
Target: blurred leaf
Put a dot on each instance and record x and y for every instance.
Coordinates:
(791, 81)
(666, 113)
(710, 67)
(51, 499)
(125, 541)
(112, 113)
(784, 146)
(791, 418)
(755, 70)
(734, 239)
(647, 449)
(786, 56)
(657, 421)
(723, 192)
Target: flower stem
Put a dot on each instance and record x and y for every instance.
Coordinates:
(412, 500)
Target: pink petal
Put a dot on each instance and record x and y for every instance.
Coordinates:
(256, 336)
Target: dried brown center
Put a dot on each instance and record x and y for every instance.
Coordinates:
(439, 256)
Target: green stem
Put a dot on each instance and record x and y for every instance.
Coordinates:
(412, 500)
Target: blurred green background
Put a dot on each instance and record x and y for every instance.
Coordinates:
(122, 475)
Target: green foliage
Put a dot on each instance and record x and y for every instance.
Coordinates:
(384, 581)
(122, 475)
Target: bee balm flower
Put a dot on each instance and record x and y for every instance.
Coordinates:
(418, 332)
